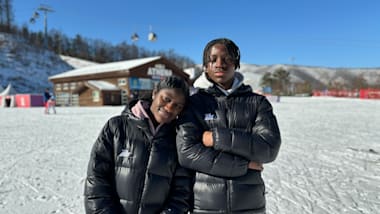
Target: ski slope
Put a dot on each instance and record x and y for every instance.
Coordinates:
(329, 161)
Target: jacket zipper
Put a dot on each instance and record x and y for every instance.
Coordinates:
(228, 196)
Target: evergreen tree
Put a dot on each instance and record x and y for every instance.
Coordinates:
(282, 80)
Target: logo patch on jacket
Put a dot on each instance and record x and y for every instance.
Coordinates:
(209, 116)
(124, 153)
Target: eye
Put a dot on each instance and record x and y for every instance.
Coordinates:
(212, 59)
(179, 107)
(228, 60)
(166, 99)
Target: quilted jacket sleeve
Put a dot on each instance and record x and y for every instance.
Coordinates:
(260, 145)
(100, 194)
(194, 155)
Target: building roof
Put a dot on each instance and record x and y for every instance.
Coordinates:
(76, 62)
(9, 90)
(103, 85)
(105, 68)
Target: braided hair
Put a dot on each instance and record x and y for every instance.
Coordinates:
(173, 82)
(232, 48)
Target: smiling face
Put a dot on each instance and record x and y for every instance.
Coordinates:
(167, 104)
(220, 67)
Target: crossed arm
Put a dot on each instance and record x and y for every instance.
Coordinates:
(228, 152)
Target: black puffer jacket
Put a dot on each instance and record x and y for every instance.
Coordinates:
(133, 171)
(244, 129)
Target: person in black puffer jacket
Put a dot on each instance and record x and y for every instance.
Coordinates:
(225, 135)
(133, 166)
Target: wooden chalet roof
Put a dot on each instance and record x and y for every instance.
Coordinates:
(103, 85)
(105, 68)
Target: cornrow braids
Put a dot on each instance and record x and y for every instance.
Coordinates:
(232, 48)
(173, 82)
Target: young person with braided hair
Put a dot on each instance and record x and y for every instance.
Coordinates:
(133, 166)
(226, 133)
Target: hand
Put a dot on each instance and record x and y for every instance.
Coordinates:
(207, 139)
(255, 166)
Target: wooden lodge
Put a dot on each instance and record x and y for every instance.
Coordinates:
(112, 83)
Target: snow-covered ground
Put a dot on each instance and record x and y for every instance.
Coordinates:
(329, 161)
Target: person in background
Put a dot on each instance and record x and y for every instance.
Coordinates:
(51, 103)
(133, 166)
(46, 97)
(225, 134)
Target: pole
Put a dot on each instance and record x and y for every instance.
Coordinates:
(45, 9)
(45, 30)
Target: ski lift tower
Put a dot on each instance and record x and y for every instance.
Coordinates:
(45, 9)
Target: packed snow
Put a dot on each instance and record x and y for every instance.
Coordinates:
(329, 161)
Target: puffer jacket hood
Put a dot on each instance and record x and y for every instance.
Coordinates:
(128, 107)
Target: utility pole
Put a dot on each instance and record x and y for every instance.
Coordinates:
(45, 9)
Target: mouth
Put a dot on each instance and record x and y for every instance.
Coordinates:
(219, 73)
(163, 113)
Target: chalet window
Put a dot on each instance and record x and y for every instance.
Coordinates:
(73, 85)
(58, 87)
(95, 96)
(140, 83)
(65, 86)
(122, 81)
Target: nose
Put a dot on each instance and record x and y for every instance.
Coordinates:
(219, 62)
(169, 107)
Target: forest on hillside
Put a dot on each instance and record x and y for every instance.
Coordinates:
(91, 49)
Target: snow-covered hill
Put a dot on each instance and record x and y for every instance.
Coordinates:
(28, 68)
(319, 77)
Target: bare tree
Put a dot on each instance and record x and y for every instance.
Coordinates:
(359, 82)
(6, 15)
(2, 9)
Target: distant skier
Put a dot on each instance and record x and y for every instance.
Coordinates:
(46, 100)
(51, 104)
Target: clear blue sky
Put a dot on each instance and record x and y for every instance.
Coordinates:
(331, 33)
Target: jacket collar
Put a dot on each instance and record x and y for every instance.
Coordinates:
(203, 83)
(138, 111)
(238, 81)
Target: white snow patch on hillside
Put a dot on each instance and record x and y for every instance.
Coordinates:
(25, 67)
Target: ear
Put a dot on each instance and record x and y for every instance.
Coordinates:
(154, 94)
(205, 69)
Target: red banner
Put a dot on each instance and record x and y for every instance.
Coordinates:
(370, 93)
